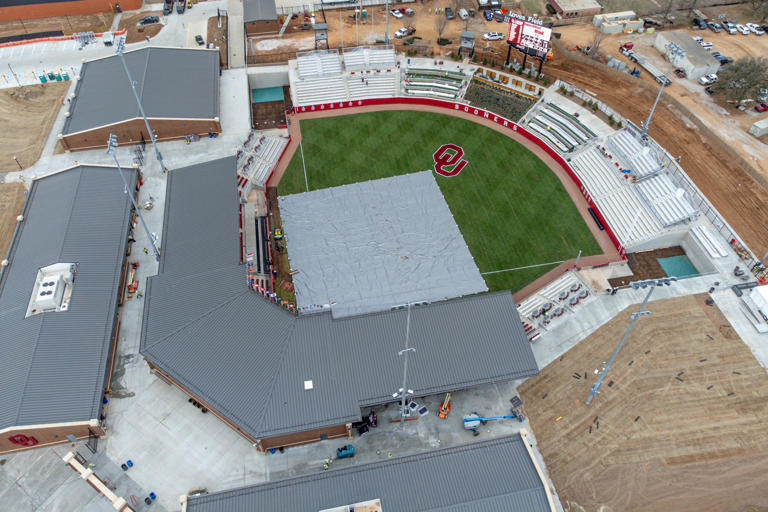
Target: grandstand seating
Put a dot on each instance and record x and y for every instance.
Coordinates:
(434, 82)
(636, 157)
(379, 84)
(625, 213)
(361, 58)
(540, 128)
(318, 63)
(662, 196)
(319, 90)
(257, 158)
(560, 298)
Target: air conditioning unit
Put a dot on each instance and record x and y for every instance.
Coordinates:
(50, 292)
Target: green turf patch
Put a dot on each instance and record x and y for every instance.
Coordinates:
(510, 208)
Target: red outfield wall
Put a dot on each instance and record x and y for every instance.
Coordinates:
(51, 9)
(486, 114)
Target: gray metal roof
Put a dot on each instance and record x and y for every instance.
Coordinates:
(497, 474)
(259, 10)
(53, 365)
(180, 83)
(248, 358)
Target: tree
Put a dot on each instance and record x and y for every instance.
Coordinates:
(760, 8)
(440, 23)
(742, 79)
(594, 46)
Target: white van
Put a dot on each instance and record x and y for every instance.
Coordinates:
(108, 38)
(706, 45)
(463, 14)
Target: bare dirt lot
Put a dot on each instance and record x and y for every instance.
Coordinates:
(11, 202)
(732, 124)
(32, 110)
(738, 197)
(138, 33)
(679, 423)
(68, 24)
(218, 36)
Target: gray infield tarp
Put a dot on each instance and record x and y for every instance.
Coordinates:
(375, 245)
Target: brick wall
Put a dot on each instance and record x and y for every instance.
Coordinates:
(130, 132)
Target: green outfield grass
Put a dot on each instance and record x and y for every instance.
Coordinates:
(510, 208)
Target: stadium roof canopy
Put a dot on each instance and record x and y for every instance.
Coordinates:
(249, 359)
(172, 83)
(53, 365)
(488, 475)
(259, 10)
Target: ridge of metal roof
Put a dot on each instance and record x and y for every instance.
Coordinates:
(54, 364)
(495, 474)
(208, 340)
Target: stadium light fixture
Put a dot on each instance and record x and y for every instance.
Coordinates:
(111, 147)
(675, 53)
(403, 392)
(119, 51)
(653, 283)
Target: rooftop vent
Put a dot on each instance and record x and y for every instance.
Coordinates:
(308, 385)
(52, 289)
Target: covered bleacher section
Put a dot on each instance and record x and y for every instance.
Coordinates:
(669, 203)
(437, 83)
(637, 156)
(561, 129)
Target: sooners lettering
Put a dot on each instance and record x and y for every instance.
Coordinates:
(449, 155)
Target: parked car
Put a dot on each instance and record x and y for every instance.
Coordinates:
(706, 45)
(758, 31)
(699, 23)
(449, 13)
(463, 14)
(761, 107)
(765, 28)
(108, 39)
(725, 60)
(396, 13)
(716, 55)
(499, 16)
(493, 36)
(714, 27)
(167, 7)
(709, 90)
(679, 73)
(200, 40)
(698, 39)
(149, 20)
(708, 79)
(744, 30)
(488, 15)
(408, 12)
(181, 5)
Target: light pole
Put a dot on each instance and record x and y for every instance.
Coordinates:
(675, 52)
(653, 283)
(111, 147)
(386, 24)
(120, 48)
(17, 163)
(404, 391)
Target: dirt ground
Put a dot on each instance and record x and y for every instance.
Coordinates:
(679, 423)
(32, 110)
(12, 196)
(138, 33)
(218, 36)
(738, 197)
(98, 22)
(373, 30)
(732, 123)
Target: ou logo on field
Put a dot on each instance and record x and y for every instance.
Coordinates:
(448, 160)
